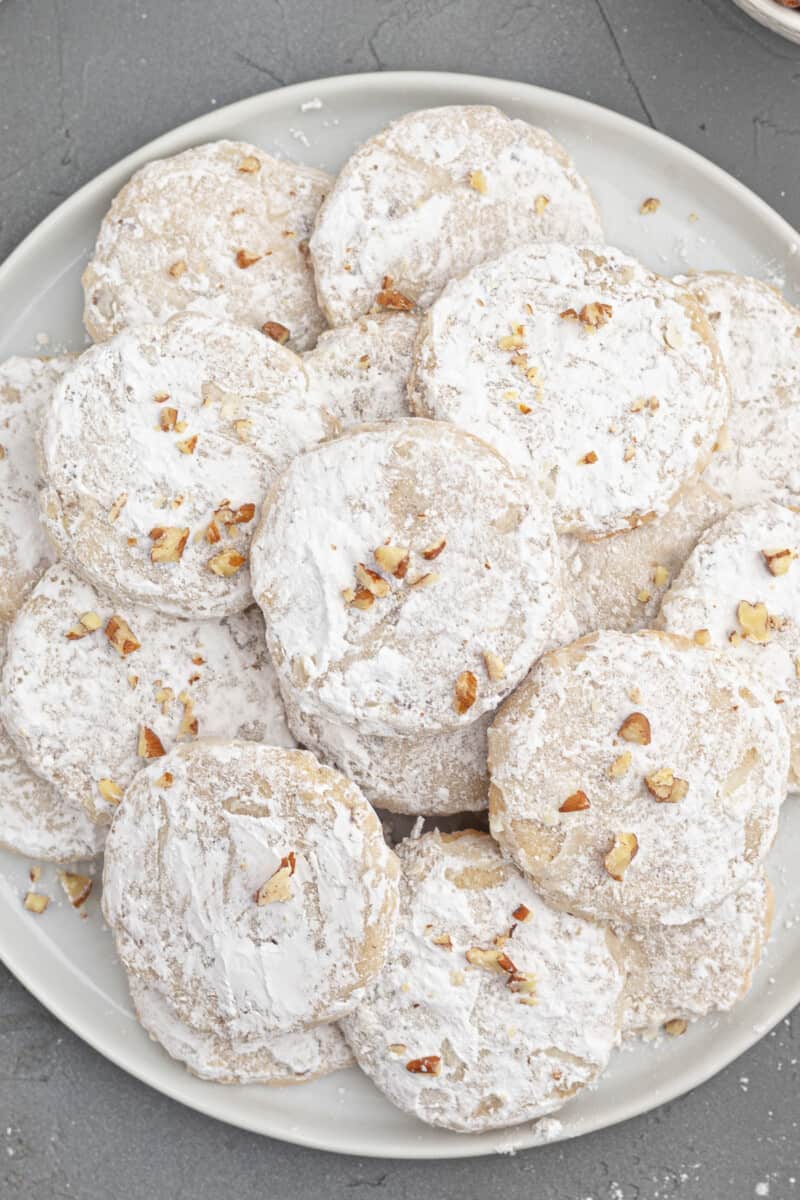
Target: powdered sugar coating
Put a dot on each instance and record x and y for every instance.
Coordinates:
(172, 236)
(76, 707)
(500, 1060)
(493, 587)
(293, 1058)
(430, 775)
(26, 385)
(183, 868)
(114, 473)
(361, 370)
(687, 971)
(618, 582)
(403, 205)
(612, 419)
(35, 819)
(758, 335)
(558, 735)
(728, 566)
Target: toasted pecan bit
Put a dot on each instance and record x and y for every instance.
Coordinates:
(277, 889)
(166, 780)
(109, 790)
(702, 637)
(187, 446)
(643, 595)
(489, 960)
(117, 507)
(540, 204)
(421, 581)
(754, 620)
(212, 533)
(177, 269)
(150, 744)
(512, 341)
(621, 855)
(675, 1027)
(521, 913)
(779, 561)
(248, 165)
(362, 598)
(372, 581)
(524, 409)
(189, 726)
(587, 459)
(569, 314)
(660, 576)
(246, 258)
(429, 1064)
(595, 314)
(523, 982)
(279, 333)
(227, 563)
(650, 205)
(434, 550)
(393, 559)
(161, 397)
(88, 623)
(620, 765)
(77, 887)
(477, 181)
(389, 297)
(444, 940)
(495, 667)
(35, 902)
(167, 419)
(465, 692)
(363, 362)
(121, 636)
(665, 786)
(635, 728)
(577, 802)
(169, 543)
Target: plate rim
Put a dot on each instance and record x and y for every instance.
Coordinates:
(21, 959)
(785, 22)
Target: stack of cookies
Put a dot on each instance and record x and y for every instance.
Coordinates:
(401, 593)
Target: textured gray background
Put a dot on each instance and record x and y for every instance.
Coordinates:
(82, 83)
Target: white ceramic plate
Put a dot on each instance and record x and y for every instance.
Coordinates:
(69, 963)
(784, 21)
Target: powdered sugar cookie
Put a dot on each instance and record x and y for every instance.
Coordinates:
(740, 588)
(293, 1058)
(493, 1008)
(361, 370)
(252, 887)
(35, 819)
(590, 373)
(408, 578)
(92, 690)
(26, 385)
(683, 972)
(432, 195)
(636, 778)
(618, 582)
(430, 775)
(158, 448)
(757, 331)
(221, 230)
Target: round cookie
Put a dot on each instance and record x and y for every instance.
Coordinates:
(361, 370)
(434, 194)
(759, 336)
(91, 689)
(158, 448)
(588, 372)
(618, 582)
(253, 888)
(35, 819)
(636, 778)
(740, 588)
(408, 578)
(433, 775)
(26, 386)
(493, 1008)
(683, 972)
(220, 230)
(293, 1058)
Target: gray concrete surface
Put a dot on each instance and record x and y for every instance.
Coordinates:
(83, 82)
